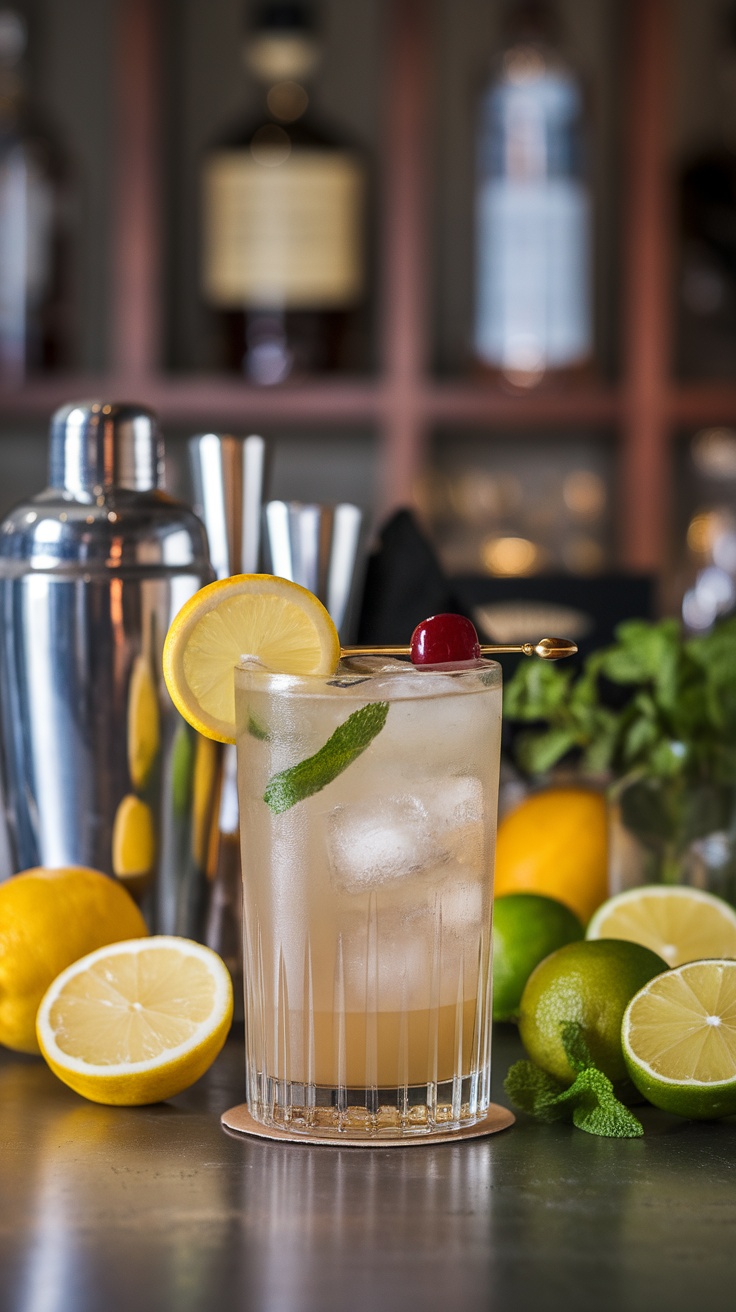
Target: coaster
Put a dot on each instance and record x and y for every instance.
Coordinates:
(238, 1120)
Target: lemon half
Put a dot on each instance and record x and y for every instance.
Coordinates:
(278, 622)
(138, 1021)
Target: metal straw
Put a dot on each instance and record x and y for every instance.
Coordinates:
(228, 484)
(318, 546)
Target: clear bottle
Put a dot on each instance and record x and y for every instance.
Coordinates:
(283, 208)
(533, 293)
(34, 236)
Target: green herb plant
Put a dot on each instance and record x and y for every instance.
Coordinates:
(670, 749)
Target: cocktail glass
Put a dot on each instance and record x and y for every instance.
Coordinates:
(368, 812)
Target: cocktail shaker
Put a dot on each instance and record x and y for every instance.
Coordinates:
(98, 767)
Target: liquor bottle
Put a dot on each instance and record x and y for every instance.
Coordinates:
(34, 208)
(533, 303)
(707, 220)
(283, 199)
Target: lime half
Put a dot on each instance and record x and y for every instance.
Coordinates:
(680, 924)
(679, 1039)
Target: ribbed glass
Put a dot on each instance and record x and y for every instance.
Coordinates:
(367, 902)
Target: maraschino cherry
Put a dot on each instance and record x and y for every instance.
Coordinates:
(443, 639)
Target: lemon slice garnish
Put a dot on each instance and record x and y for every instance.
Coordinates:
(138, 1021)
(278, 622)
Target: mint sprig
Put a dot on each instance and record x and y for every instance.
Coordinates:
(348, 741)
(589, 1102)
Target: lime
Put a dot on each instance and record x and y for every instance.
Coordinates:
(680, 924)
(679, 1040)
(526, 928)
(591, 984)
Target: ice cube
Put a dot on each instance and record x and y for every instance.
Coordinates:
(376, 841)
(381, 839)
(462, 906)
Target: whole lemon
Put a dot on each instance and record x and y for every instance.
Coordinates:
(590, 983)
(555, 842)
(48, 919)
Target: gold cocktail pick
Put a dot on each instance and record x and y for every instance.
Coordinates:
(548, 649)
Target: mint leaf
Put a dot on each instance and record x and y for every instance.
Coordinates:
(576, 1049)
(257, 729)
(341, 749)
(589, 1102)
(532, 1090)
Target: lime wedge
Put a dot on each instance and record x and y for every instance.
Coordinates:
(679, 1039)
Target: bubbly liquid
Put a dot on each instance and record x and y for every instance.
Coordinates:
(367, 906)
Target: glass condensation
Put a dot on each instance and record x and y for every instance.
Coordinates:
(367, 905)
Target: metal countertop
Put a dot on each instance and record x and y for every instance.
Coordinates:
(150, 1209)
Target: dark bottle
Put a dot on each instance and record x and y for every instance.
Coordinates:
(34, 237)
(707, 214)
(533, 283)
(283, 207)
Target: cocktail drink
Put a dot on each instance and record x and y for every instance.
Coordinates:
(368, 810)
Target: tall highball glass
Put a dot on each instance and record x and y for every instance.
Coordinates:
(368, 813)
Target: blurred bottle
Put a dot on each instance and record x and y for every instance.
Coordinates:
(706, 577)
(533, 294)
(707, 213)
(34, 205)
(283, 208)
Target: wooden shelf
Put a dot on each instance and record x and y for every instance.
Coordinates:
(212, 400)
(222, 401)
(403, 402)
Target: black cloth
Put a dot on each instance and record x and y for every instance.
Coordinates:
(404, 584)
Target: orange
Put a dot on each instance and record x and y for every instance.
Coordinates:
(555, 842)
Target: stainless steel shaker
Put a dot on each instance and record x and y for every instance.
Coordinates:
(98, 767)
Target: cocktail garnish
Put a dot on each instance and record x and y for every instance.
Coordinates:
(257, 729)
(444, 638)
(341, 749)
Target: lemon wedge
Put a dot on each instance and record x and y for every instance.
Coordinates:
(144, 729)
(133, 840)
(138, 1021)
(278, 622)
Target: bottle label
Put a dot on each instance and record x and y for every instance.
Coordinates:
(533, 299)
(286, 235)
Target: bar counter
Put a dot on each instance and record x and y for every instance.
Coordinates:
(155, 1208)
